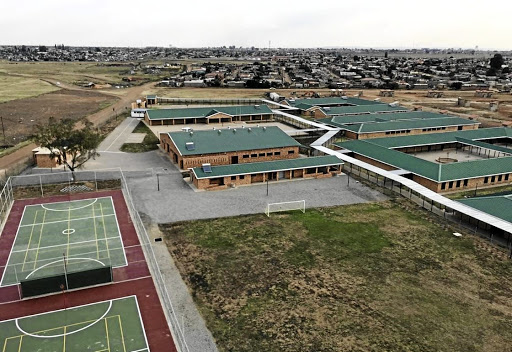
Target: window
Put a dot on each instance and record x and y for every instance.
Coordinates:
(291, 152)
(458, 183)
(242, 177)
(254, 155)
(506, 177)
(450, 185)
(277, 153)
(261, 154)
(270, 154)
(245, 156)
(233, 178)
(486, 180)
(493, 179)
(500, 177)
(465, 183)
(443, 185)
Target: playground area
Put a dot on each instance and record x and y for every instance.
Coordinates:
(68, 236)
(113, 325)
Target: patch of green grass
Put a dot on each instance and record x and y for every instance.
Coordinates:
(15, 87)
(149, 143)
(366, 277)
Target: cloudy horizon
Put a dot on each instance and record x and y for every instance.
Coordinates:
(371, 24)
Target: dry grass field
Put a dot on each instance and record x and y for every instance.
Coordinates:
(368, 277)
(22, 115)
(13, 87)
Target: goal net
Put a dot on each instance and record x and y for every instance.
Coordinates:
(286, 206)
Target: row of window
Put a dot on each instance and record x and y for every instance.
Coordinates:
(493, 178)
(398, 132)
(433, 129)
(488, 179)
(233, 178)
(260, 155)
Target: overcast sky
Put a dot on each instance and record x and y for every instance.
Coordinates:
(313, 23)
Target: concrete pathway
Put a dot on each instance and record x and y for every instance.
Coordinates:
(119, 136)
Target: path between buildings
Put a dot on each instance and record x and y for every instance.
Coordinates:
(118, 136)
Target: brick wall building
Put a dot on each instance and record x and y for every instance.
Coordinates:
(228, 146)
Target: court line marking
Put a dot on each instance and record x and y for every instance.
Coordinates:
(119, 232)
(38, 244)
(142, 323)
(29, 241)
(122, 333)
(69, 333)
(58, 261)
(18, 229)
(78, 254)
(60, 245)
(57, 221)
(10, 253)
(106, 330)
(69, 209)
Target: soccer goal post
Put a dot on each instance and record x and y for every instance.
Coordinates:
(286, 206)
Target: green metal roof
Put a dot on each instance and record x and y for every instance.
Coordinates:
(431, 170)
(268, 166)
(361, 109)
(230, 140)
(331, 101)
(445, 137)
(498, 206)
(484, 145)
(373, 127)
(164, 114)
(392, 157)
(388, 116)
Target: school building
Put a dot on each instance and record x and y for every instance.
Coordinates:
(442, 162)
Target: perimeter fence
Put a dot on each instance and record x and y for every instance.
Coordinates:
(38, 185)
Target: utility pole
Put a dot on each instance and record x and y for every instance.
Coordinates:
(3, 129)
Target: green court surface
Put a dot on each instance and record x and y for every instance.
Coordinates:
(85, 232)
(106, 326)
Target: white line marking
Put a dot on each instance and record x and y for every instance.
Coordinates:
(141, 322)
(120, 134)
(57, 221)
(65, 244)
(12, 247)
(66, 334)
(58, 261)
(68, 209)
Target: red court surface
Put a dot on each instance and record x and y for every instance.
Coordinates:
(133, 279)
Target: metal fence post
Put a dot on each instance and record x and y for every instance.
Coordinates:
(41, 185)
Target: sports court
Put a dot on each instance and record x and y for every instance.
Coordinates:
(112, 325)
(84, 232)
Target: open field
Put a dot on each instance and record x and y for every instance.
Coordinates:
(14, 87)
(366, 277)
(22, 115)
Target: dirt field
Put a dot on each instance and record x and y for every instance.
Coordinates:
(22, 115)
(345, 279)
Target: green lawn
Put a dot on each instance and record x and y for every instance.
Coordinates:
(149, 143)
(367, 277)
(107, 326)
(13, 87)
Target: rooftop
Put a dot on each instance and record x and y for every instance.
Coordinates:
(361, 109)
(162, 114)
(268, 166)
(377, 150)
(230, 140)
(372, 127)
(498, 206)
(389, 116)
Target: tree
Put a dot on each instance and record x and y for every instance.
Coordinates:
(71, 143)
(497, 61)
